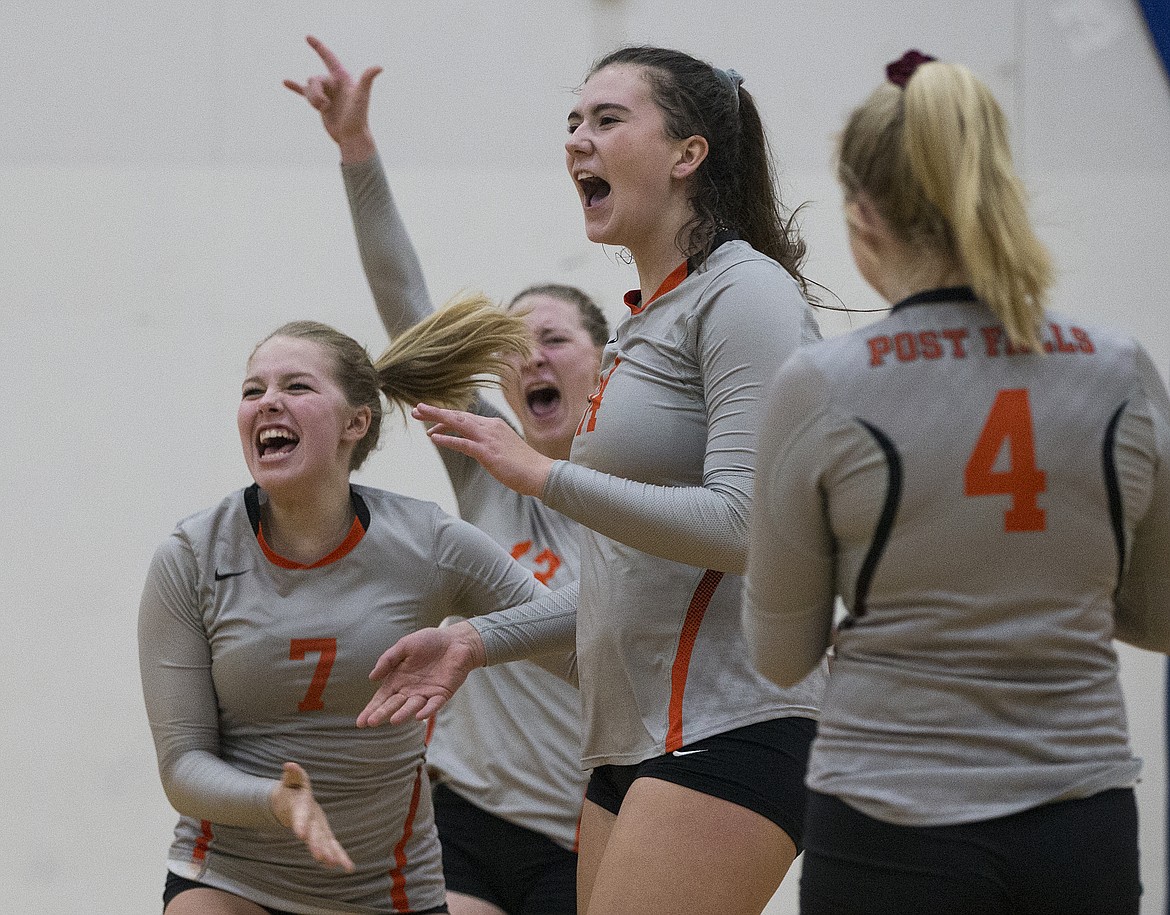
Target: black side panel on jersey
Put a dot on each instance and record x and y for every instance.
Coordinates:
(881, 534)
(1113, 488)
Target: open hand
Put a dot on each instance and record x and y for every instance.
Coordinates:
(491, 442)
(420, 672)
(294, 805)
(343, 103)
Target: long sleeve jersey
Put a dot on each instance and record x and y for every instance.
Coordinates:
(509, 740)
(991, 520)
(249, 660)
(661, 478)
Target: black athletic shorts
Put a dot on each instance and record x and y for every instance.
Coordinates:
(176, 884)
(513, 868)
(1069, 858)
(760, 767)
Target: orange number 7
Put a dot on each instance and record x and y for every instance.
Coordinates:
(1010, 420)
(327, 651)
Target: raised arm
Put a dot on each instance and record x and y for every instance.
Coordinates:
(391, 265)
(181, 705)
(343, 103)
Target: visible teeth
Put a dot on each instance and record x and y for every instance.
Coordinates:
(268, 435)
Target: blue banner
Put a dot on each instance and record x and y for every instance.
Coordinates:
(1158, 19)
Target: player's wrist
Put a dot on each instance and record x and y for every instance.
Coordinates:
(469, 643)
(358, 148)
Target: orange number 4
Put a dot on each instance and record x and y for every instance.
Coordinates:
(1010, 420)
(326, 649)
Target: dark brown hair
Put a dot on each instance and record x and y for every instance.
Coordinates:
(734, 187)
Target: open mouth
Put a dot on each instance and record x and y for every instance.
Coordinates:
(276, 441)
(543, 400)
(593, 189)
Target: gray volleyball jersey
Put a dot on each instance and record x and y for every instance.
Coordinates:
(510, 738)
(249, 661)
(991, 519)
(661, 477)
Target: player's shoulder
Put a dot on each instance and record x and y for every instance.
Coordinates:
(204, 523)
(736, 263)
(397, 508)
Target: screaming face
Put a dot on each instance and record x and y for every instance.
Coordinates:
(549, 392)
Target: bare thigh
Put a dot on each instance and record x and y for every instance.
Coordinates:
(462, 904)
(208, 901)
(673, 849)
(596, 823)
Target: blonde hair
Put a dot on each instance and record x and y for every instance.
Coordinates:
(934, 159)
(442, 360)
(445, 358)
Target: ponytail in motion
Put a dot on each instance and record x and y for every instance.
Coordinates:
(933, 157)
(442, 360)
(445, 358)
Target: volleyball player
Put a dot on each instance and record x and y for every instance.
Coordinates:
(261, 617)
(505, 754)
(984, 482)
(696, 797)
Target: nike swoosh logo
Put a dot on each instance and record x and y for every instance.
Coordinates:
(686, 752)
(220, 576)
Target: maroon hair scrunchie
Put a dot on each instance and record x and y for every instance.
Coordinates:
(900, 71)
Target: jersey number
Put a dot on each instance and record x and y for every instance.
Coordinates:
(547, 557)
(1010, 420)
(326, 651)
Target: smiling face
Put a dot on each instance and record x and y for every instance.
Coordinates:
(549, 392)
(629, 174)
(296, 426)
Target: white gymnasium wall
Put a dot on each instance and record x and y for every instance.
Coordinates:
(164, 202)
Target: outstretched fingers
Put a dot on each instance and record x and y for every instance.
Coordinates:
(390, 706)
(491, 442)
(332, 62)
(307, 820)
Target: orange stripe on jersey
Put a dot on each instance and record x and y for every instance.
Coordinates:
(634, 297)
(398, 872)
(682, 660)
(589, 418)
(352, 539)
(199, 852)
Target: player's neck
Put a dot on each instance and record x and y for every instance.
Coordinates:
(306, 527)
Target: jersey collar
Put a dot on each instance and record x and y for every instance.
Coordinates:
(357, 531)
(633, 298)
(935, 296)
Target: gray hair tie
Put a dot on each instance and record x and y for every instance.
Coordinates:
(733, 79)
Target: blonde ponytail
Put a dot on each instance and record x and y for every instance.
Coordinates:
(934, 158)
(445, 358)
(957, 147)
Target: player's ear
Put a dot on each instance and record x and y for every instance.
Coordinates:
(358, 424)
(691, 153)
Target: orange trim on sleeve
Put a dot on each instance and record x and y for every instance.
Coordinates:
(682, 659)
(352, 539)
(398, 872)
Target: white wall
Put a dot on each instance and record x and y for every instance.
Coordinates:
(164, 203)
